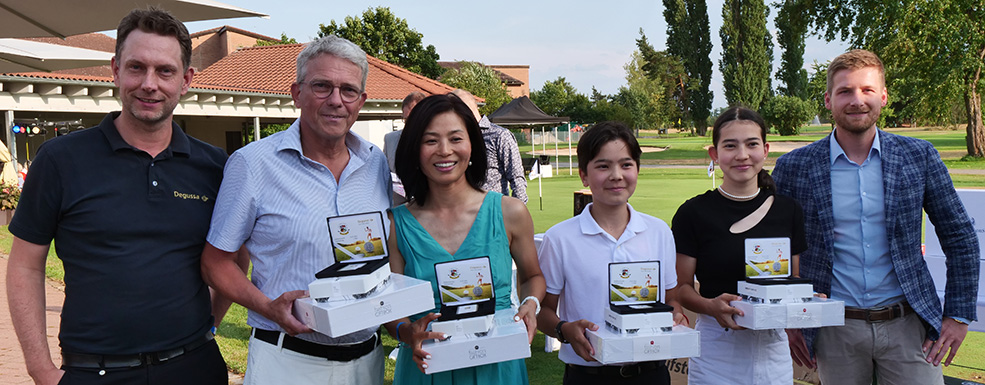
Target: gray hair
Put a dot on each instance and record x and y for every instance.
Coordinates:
(335, 46)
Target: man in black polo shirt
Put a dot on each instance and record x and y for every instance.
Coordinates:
(128, 204)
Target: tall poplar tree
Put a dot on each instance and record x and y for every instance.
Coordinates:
(747, 52)
(791, 22)
(689, 39)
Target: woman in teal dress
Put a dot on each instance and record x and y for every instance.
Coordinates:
(449, 217)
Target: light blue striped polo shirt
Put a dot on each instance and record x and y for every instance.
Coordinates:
(275, 200)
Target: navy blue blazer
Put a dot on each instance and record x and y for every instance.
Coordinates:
(915, 180)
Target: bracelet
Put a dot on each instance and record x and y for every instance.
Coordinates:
(536, 301)
(398, 329)
(560, 335)
(687, 321)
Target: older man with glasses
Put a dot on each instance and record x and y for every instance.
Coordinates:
(275, 196)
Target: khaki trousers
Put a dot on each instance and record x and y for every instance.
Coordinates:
(891, 350)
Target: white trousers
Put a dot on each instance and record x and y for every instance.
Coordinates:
(730, 356)
(269, 364)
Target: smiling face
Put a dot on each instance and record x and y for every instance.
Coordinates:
(611, 175)
(328, 119)
(856, 98)
(740, 153)
(151, 78)
(445, 149)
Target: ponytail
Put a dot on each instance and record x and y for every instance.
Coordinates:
(765, 181)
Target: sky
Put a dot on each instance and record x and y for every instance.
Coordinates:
(585, 41)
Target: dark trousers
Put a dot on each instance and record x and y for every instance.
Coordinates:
(202, 366)
(658, 376)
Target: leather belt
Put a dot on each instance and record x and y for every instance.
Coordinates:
(879, 314)
(97, 361)
(624, 371)
(341, 353)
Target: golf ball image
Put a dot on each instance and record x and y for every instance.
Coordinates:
(633, 292)
(477, 291)
(776, 266)
(644, 292)
(370, 247)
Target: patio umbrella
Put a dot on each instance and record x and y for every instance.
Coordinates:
(29, 56)
(60, 18)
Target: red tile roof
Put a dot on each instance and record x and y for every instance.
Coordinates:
(63, 76)
(272, 69)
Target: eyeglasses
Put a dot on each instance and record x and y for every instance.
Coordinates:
(323, 90)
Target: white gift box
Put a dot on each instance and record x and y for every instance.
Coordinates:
(640, 321)
(818, 312)
(343, 288)
(402, 296)
(645, 345)
(464, 326)
(775, 293)
(507, 340)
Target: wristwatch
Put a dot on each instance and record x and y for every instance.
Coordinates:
(560, 335)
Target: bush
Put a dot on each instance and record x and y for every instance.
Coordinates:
(787, 113)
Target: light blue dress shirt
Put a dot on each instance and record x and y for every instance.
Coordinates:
(275, 200)
(863, 268)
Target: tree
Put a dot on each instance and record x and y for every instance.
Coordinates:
(689, 38)
(387, 37)
(787, 113)
(933, 50)
(791, 22)
(667, 86)
(816, 87)
(283, 40)
(646, 98)
(481, 81)
(606, 107)
(560, 98)
(747, 53)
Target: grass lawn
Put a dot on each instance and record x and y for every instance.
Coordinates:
(659, 192)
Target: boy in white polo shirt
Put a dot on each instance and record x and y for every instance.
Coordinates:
(576, 253)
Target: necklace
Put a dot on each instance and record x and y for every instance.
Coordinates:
(738, 197)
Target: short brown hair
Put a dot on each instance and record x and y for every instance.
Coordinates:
(853, 60)
(158, 21)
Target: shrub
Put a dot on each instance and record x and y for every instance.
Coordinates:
(787, 113)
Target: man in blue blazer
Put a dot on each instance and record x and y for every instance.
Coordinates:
(863, 191)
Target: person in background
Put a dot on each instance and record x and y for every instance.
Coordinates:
(505, 174)
(390, 141)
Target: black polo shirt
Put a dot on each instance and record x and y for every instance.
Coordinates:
(130, 230)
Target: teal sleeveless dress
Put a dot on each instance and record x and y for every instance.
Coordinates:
(487, 237)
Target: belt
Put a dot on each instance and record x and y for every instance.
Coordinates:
(879, 314)
(96, 361)
(330, 352)
(625, 371)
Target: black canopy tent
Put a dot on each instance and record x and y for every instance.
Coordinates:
(523, 112)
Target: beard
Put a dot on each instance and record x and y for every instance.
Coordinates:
(857, 125)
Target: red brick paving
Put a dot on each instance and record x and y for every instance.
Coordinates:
(12, 367)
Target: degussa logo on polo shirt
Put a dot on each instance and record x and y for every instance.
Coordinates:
(187, 196)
